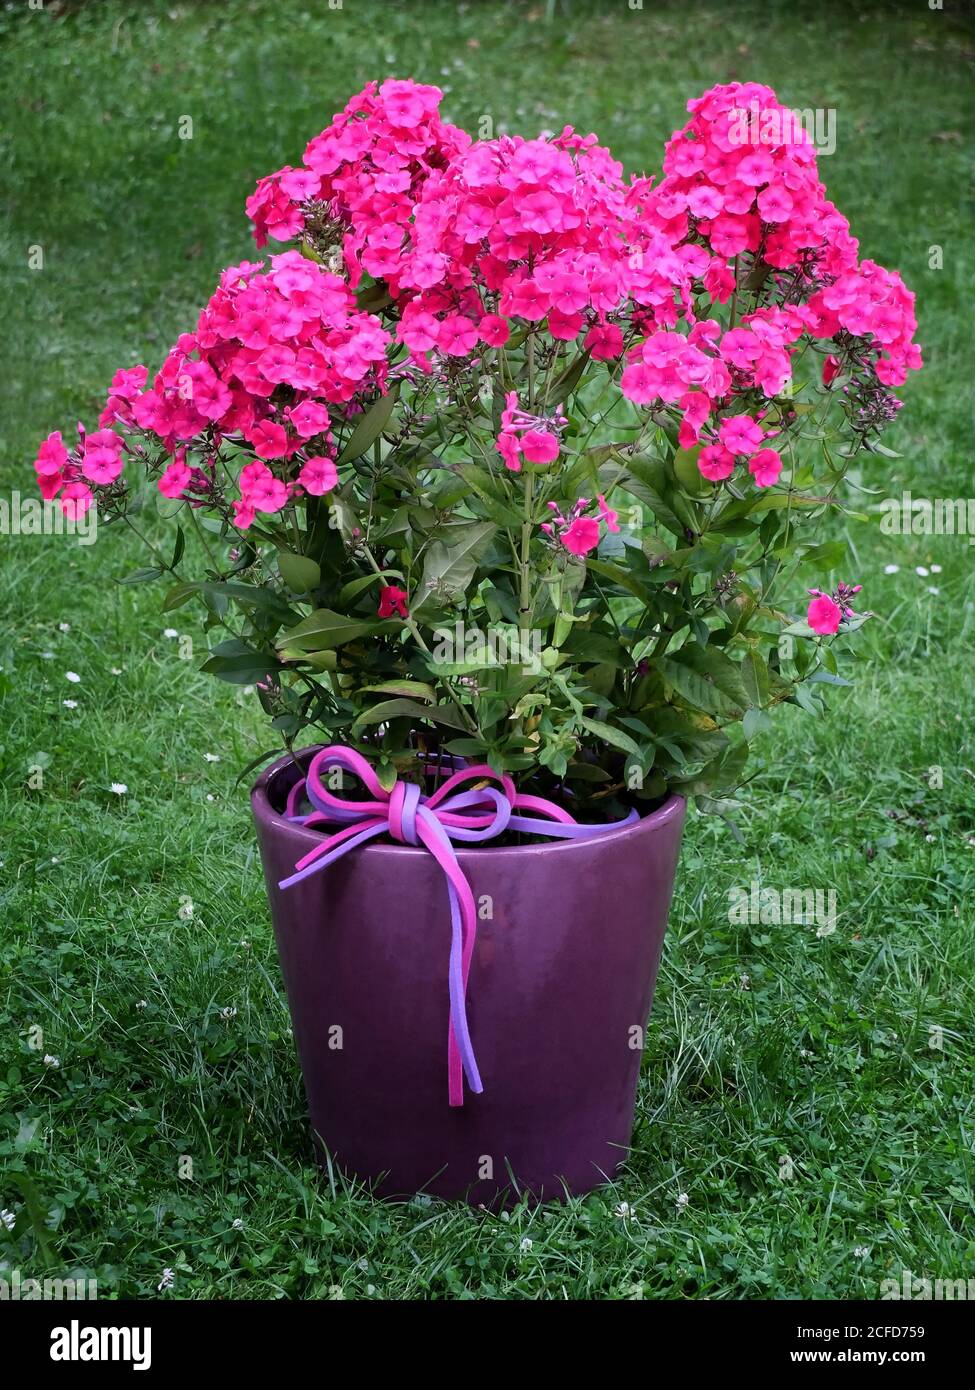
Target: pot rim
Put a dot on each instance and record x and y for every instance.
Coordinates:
(265, 813)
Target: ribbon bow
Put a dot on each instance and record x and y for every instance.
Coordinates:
(434, 821)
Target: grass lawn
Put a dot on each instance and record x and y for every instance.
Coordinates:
(806, 1115)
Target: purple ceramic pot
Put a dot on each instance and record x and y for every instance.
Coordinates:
(568, 943)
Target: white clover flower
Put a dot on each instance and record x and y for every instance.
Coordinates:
(891, 569)
(167, 1280)
(51, 1061)
(526, 1245)
(922, 570)
(70, 704)
(932, 589)
(73, 677)
(682, 1200)
(861, 1252)
(142, 1004)
(211, 757)
(624, 1211)
(237, 1224)
(228, 1013)
(64, 627)
(7, 1218)
(935, 569)
(118, 788)
(170, 632)
(116, 670)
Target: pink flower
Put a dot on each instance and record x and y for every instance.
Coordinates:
(102, 459)
(823, 615)
(392, 600)
(831, 369)
(539, 446)
(51, 456)
(270, 441)
(608, 516)
(309, 418)
(765, 466)
(243, 514)
(715, 463)
(494, 330)
(318, 476)
(582, 536)
(740, 434)
(509, 447)
(75, 501)
(260, 489)
(174, 480)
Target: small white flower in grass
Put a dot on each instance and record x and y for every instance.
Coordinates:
(118, 788)
(142, 1004)
(336, 1293)
(210, 797)
(526, 1245)
(55, 859)
(891, 569)
(238, 1224)
(861, 1252)
(211, 757)
(933, 590)
(624, 1211)
(64, 627)
(73, 677)
(935, 569)
(46, 656)
(930, 839)
(922, 570)
(744, 981)
(167, 1281)
(70, 704)
(228, 1013)
(7, 1218)
(170, 632)
(682, 1200)
(51, 1061)
(116, 670)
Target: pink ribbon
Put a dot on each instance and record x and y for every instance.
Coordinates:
(434, 821)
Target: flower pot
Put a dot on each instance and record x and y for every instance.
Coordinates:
(568, 943)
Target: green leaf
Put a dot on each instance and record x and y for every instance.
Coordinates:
(716, 667)
(324, 630)
(300, 572)
(449, 568)
(615, 737)
(370, 427)
(411, 689)
(143, 576)
(396, 709)
(236, 662)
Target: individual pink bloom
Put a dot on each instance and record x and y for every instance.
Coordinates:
(102, 459)
(640, 383)
(604, 342)
(740, 434)
(715, 463)
(509, 447)
(775, 203)
(539, 446)
(457, 336)
(765, 466)
(494, 330)
(75, 501)
(50, 484)
(582, 536)
(393, 600)
(705, 201)
(270, 441)
(318, 475)
(175, 479)
(831, 369)
(608, 516)
(309, 418)
(260, 489)
(243, 514)
(823, 615)
(52, 455)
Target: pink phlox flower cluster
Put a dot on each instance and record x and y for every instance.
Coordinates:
(576, 532)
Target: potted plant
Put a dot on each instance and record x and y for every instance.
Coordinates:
(502, 485)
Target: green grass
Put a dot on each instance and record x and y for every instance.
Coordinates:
(767, 1043)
